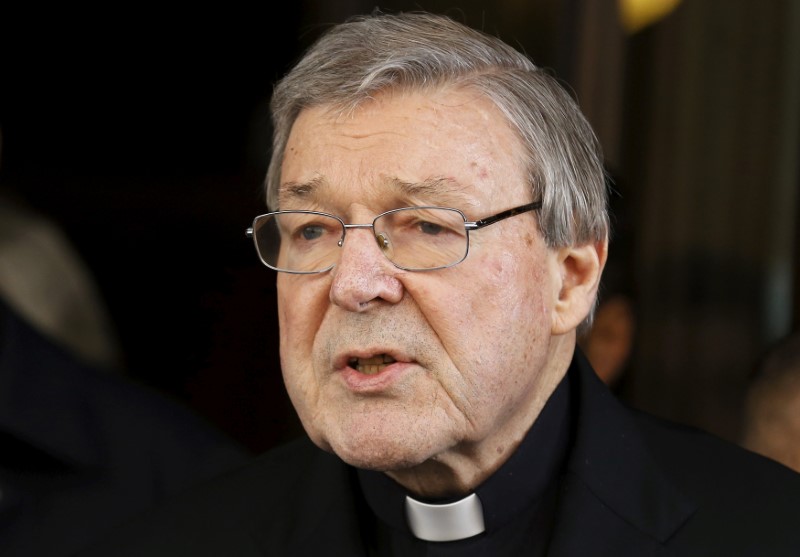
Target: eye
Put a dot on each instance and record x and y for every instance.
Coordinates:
(430, 228)
(311, 232)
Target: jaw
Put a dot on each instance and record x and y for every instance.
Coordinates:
(471, 461)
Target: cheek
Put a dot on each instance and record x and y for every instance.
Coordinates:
(499, 304)
(515, 312)
(511, 292)
(301, 307)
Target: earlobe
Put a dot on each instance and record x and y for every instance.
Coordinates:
(580, 269)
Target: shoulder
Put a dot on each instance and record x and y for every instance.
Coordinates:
(743, 496)
(702, 466)
(704, 463)
(674, 485)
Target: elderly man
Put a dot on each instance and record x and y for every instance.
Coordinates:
(439, 231)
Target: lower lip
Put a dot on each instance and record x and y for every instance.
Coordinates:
(363, 383)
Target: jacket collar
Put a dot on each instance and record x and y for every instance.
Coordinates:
(612, 484)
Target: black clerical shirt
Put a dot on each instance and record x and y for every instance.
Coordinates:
(518, 500)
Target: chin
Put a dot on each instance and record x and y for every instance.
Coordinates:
(379, 450)
(385, 459)
(381, 434)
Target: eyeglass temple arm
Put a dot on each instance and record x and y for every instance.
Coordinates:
(505, 214)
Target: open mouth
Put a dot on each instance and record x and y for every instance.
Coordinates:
(371, 365)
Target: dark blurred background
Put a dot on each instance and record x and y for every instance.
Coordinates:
(143, 134)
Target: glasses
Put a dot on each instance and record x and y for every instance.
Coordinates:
(412, 238)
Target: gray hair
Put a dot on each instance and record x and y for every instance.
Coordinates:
(420, 51)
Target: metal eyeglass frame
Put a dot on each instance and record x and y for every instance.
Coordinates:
(468, 226)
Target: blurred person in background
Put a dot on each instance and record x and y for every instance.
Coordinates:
(82, 447)
(772, 404)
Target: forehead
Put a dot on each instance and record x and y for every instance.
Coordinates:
(444, 145)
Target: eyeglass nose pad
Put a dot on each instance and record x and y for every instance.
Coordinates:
(382, 240)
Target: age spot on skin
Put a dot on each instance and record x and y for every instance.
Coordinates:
(528, 240)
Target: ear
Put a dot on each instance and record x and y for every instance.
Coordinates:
(580, 268)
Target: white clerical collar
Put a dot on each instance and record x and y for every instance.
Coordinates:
(447, 522)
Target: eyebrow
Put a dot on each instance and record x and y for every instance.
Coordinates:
(299, 190)
(441, 189)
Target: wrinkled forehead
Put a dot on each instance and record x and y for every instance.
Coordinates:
(449, 146)
(388, 192)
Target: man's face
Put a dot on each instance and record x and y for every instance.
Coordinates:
(469, 349)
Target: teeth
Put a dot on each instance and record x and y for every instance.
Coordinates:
(373, 365)
(369, 370)
(376, 360)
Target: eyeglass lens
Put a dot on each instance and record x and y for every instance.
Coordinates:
(411, 238)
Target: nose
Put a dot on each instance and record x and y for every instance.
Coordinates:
(363, 274)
